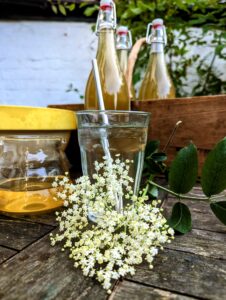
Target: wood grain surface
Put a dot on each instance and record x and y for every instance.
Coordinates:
(131, 290)
(193, 266)
(18, 234)
(6, 253)
(185, 273)
(45, 272)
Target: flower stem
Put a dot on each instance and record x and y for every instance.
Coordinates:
(182, 197)
(145, 190)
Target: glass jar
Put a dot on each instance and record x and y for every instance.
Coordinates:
(32, 156)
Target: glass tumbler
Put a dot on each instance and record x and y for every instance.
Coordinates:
(119, 132)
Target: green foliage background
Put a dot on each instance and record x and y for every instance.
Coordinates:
(188, 22)
(180, 15)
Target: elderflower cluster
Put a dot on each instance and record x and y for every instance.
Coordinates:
(119, 238)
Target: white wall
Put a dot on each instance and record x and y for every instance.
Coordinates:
(38, 61)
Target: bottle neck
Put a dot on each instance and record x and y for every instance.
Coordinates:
(108, 62)
(123, 59)
(106, 41)
(157, 48)
(122, 43)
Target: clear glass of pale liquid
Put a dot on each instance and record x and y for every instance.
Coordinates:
(29, 163)
(104, 133)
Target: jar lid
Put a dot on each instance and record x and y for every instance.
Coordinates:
(36, 118)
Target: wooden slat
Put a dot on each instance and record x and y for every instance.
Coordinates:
(202, 216)
(44, 272)
(128, 290)
(185, 273)
(74, 107)
(204, 122)
(204, 119)
(201, 242)
(17, 234)
(6, 253)
(47, 219)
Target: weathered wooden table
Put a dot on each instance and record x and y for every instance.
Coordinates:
(192, 267)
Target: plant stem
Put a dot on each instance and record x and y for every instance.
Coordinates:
(172, 135)
(208, 71)
(145, 190)
(182, 197)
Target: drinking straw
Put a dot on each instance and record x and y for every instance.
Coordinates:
(103, 132)
(99, 90)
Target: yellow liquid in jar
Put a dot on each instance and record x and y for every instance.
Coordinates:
(26, 197)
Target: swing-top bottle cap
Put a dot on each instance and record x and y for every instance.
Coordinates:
(123, 38)
(156, 32)
(157, 23)
(106, 5)
(107, 16)
(122, 30)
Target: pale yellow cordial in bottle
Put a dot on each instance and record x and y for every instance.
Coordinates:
(157, 83)
(113, 83)
(123, 46)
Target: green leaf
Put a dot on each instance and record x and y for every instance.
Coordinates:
(153, 191)
(159, 156)
(62, 9)
(184, 170)
(136, 10)
(213, 178)
(54, 9)
(151, 147)
(219, 48)
(90, 10)
(125, 15)
(145, 7)
(71, 7)
(180, 219)
(219, 209)
(153, 167)
(83, 4)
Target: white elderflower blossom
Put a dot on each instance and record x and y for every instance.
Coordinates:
(117, 241)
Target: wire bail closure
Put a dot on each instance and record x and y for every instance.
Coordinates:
(156, 35)
(128, 39)
(106, 18)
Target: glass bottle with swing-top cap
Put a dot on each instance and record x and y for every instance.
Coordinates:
(113, 83)
(157, 83)
(123, 46)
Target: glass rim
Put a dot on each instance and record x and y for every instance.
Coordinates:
(113, 112)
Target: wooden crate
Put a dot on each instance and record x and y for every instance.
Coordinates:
(74, 107)
(203, 121)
